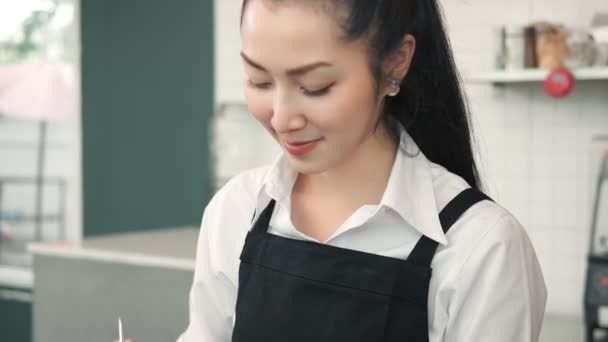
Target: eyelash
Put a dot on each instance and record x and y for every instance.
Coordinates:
(312, 93)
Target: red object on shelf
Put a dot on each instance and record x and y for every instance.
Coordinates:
(559, 83)
(6, 235)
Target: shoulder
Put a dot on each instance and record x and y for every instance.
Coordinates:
(485, 230)
(448, 185)
(489, 261)
(226, 221)
(237, 197)
(225, 224)
(227, 216)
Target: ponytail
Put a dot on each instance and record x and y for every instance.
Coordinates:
(432, 106)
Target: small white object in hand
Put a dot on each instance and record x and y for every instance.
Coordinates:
(120, 339)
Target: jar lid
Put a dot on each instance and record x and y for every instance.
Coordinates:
(515, 29)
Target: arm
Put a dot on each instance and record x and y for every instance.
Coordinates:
(212, 294)
(500, 294)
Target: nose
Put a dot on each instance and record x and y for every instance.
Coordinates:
(286, 116)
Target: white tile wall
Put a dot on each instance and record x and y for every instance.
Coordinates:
(535, 150)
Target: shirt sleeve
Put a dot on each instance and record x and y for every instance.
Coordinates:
(212, 296)
(500, 294)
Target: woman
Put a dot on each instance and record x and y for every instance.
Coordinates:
(376, 187)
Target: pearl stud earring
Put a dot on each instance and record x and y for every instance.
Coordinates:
(396, 88)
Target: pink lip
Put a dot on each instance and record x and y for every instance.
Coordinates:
(300, 148)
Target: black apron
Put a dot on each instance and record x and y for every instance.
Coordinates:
(293, 290)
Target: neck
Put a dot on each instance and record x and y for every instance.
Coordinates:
(360, 179)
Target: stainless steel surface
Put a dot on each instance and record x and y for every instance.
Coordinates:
(562, 328)
(171, 242)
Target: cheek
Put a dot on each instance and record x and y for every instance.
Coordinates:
(259, 106)
(354, 104)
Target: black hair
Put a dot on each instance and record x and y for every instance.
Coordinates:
(431, 104)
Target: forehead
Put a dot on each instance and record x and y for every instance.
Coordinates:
(290, 30)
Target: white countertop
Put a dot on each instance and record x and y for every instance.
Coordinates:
(176, 248)
(16, 277)
(171, 248)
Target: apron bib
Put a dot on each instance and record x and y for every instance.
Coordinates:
(302, 291)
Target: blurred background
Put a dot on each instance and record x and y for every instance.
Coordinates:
(120, 119)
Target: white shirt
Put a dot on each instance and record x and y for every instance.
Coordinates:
(486, 285)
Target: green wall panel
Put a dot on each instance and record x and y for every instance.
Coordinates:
(15, 314)
(147, 97)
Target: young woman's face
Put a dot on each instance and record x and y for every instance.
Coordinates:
(303, 84)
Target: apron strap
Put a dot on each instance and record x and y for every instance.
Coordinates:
(261, 225)
(425, 248)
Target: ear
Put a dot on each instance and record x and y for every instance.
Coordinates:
(399, 64)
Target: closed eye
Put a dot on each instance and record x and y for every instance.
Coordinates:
(307, 92)
(318, 92)
(261, 85)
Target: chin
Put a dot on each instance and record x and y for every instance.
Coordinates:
(307, 167)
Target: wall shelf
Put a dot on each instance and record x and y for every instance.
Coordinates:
(533, 75)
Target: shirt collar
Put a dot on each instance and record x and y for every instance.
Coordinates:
(410, 192)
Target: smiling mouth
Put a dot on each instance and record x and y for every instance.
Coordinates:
(300, 148)
(299, 143)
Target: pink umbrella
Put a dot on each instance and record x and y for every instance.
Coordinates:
(40, 91)
(35, 90)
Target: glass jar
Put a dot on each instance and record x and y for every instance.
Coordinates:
(580, 49)
(515, 56)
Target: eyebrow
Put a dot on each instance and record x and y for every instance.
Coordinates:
(291, 72)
